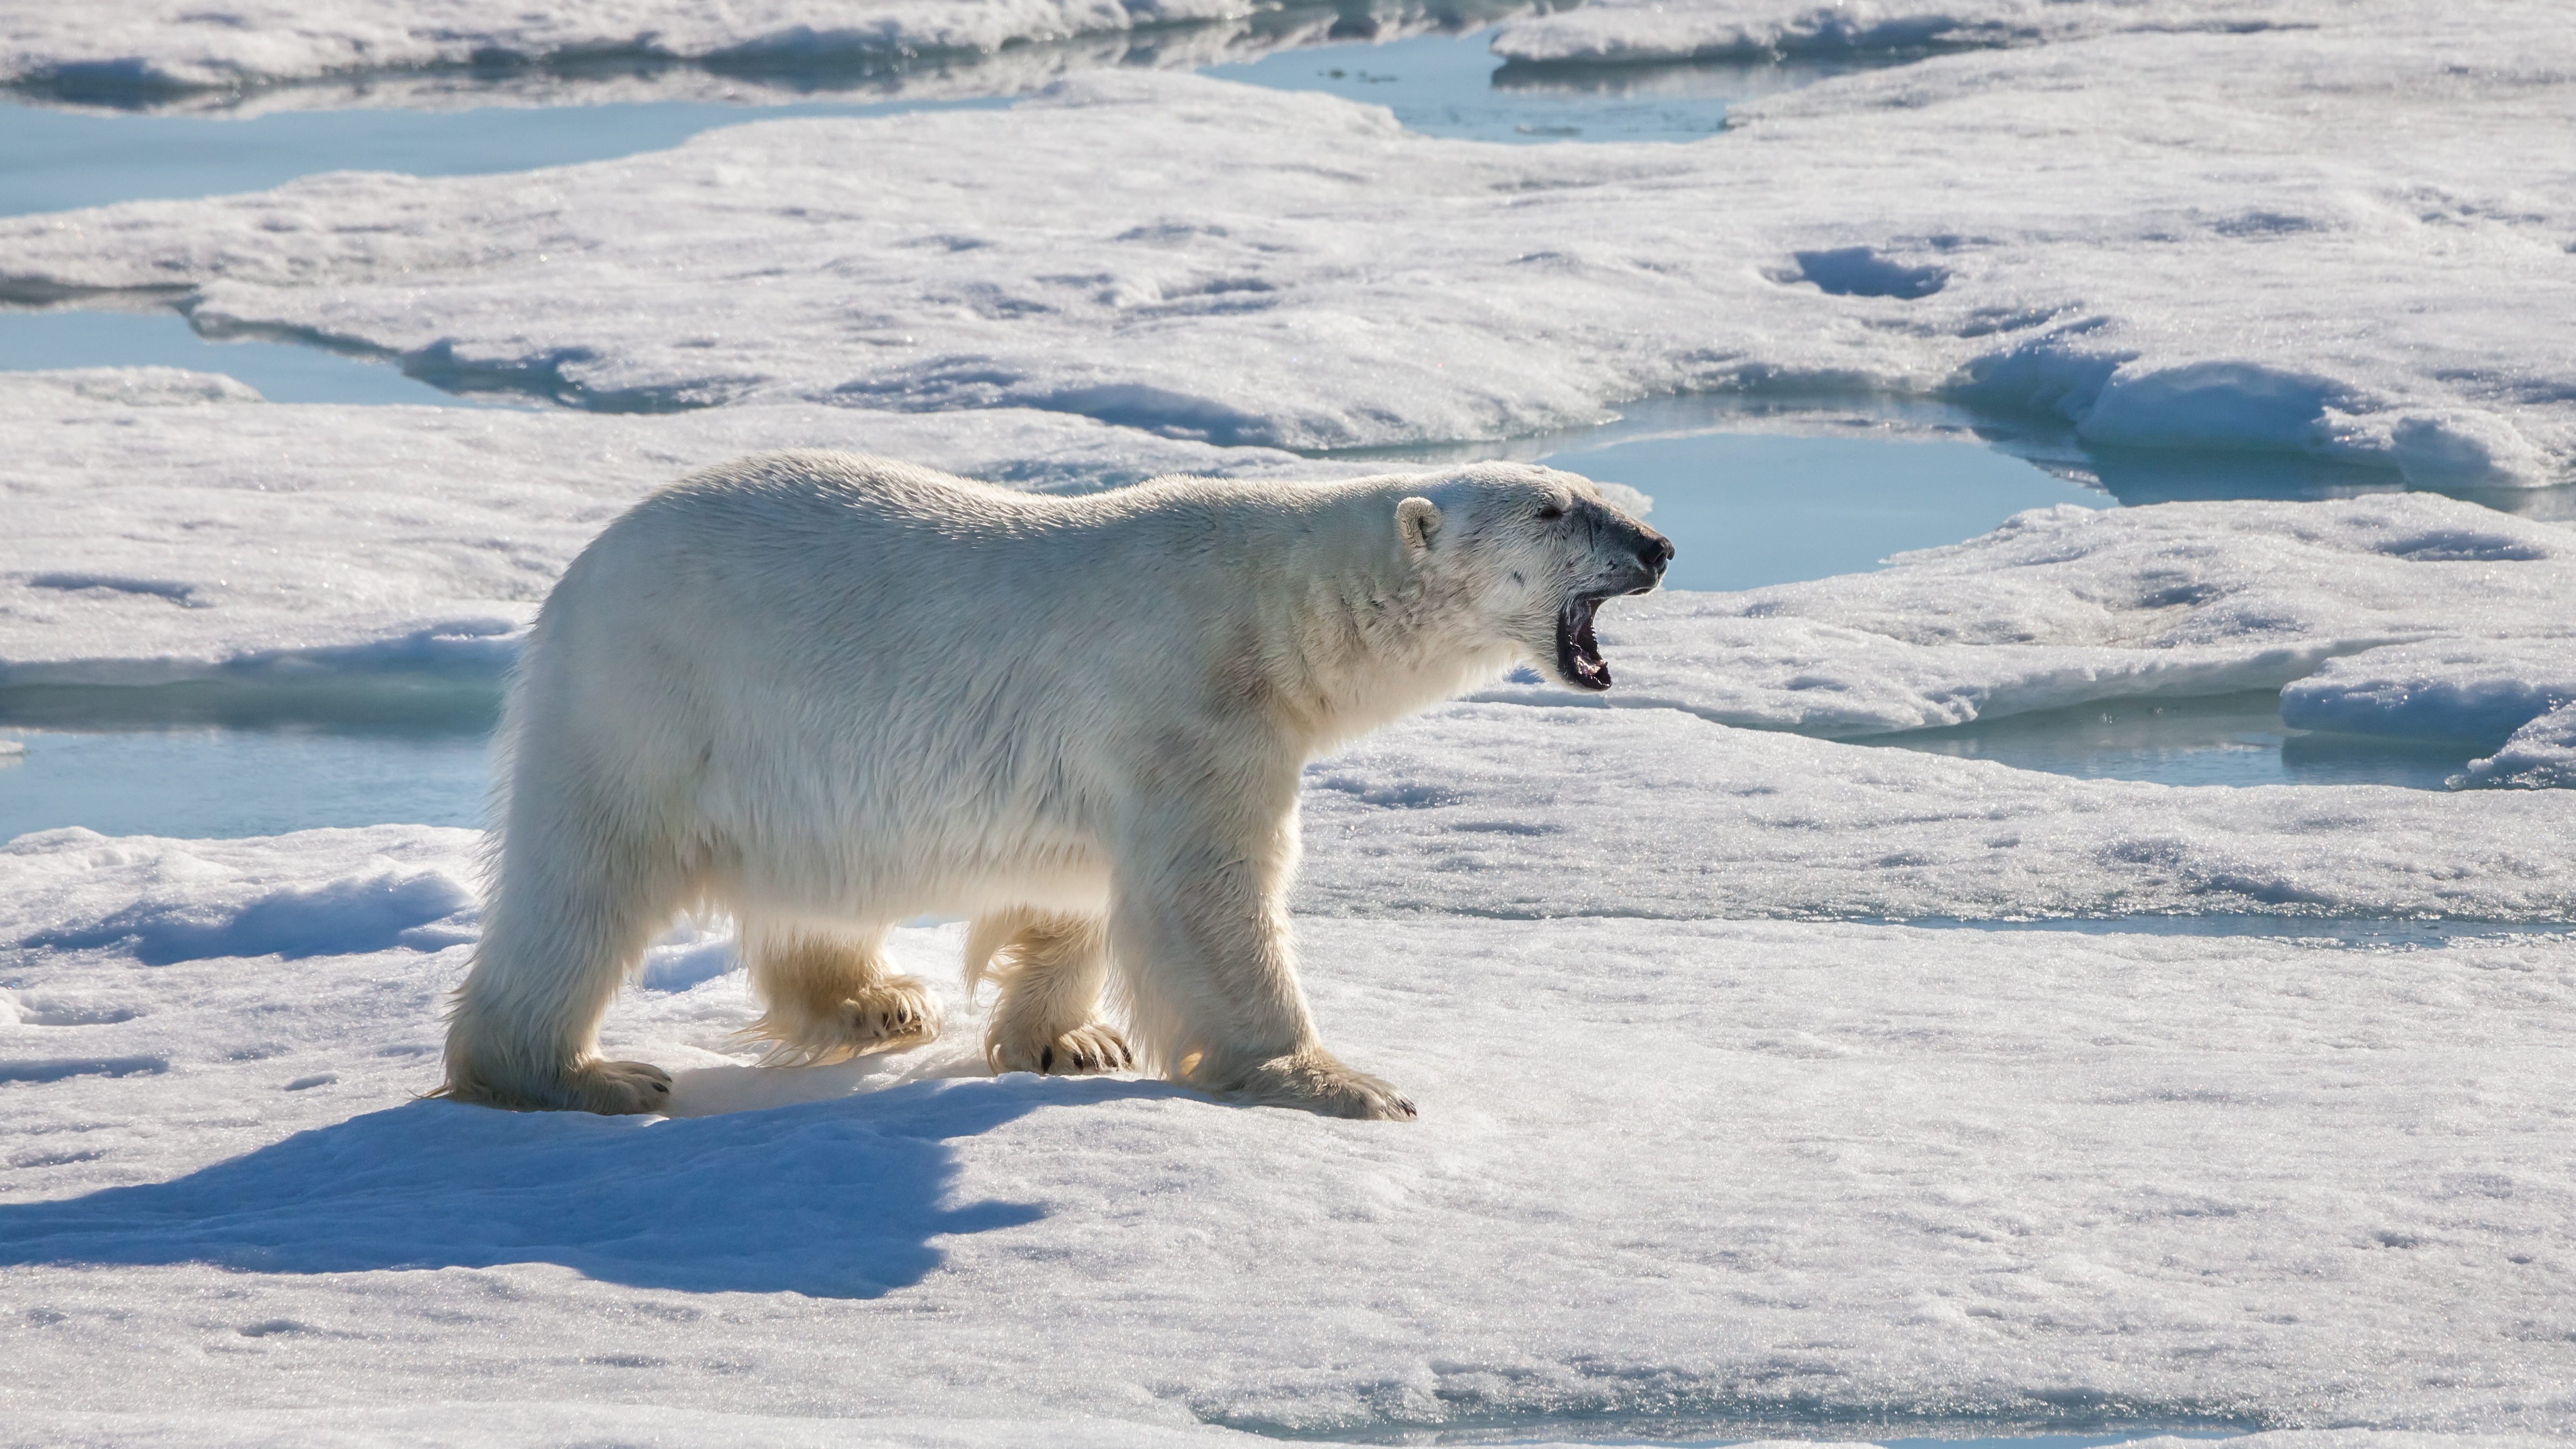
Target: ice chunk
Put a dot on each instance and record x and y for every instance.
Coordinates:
(2540, 756)
(2477, 690)
(337, 918)
(2209, 405)
(132, 386)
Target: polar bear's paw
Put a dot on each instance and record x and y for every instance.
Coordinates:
(617, 1089)
(1091, 1047)
(896, 1012)
(1316, 1081)
(589, 1084)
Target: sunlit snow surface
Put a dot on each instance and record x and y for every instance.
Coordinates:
(1697, 1161)
(1689, 1170)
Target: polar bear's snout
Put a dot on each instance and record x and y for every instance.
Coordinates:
(1654, 553)
(1630, 558)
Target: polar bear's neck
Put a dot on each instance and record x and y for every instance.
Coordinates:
(1347, 630)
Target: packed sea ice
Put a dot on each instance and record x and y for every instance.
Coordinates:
(1712, 1143)
(196, 60)
(2319, 238)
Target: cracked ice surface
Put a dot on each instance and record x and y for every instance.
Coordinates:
(1764, 1167)
(247, 535)
(2319, 240)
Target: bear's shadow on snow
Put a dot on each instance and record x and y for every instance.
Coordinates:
(838, 1199)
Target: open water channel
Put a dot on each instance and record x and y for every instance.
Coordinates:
(1751, 498)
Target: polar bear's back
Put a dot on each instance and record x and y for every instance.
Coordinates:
(822, 563)
(879, 642)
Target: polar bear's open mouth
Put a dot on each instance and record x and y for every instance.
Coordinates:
(1578, 653)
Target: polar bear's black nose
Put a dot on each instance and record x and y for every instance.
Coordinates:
(1654, 551)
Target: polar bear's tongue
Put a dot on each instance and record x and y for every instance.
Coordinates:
(1578, 653)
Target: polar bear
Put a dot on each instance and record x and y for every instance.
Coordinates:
(828, 693)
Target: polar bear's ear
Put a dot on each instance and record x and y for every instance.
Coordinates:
(1417, 522)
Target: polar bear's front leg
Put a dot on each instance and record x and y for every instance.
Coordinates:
(1200, 926)
(830, 998)
(1051, 969)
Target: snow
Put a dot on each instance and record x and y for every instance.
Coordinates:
(1789, 1169)
(2317, 239)
(165, 524)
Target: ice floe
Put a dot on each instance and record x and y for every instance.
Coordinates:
(2066, 605)
(149, 543)
(118, 45)
(1685, 1171)
(193, 62)
(1649, 32)
(2315, 239)
(1501, 810)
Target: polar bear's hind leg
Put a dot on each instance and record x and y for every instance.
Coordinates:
(564, 927)
(1051, 969)
(831, 997)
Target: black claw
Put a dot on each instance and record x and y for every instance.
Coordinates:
(1046, 1059)
(663, 1087)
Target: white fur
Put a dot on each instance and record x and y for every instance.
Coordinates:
(829, 693)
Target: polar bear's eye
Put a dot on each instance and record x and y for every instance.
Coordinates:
(1551, 513)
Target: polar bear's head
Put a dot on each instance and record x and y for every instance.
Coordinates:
(1532, 552)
